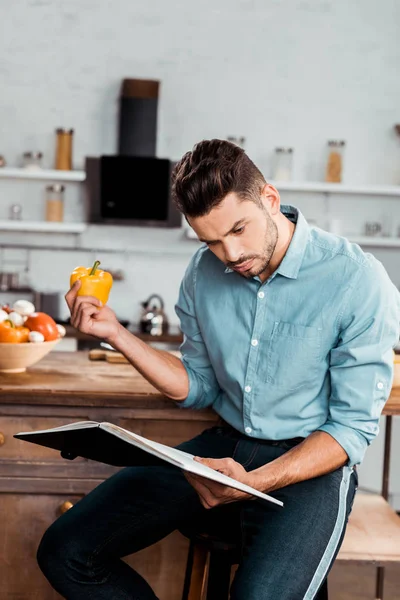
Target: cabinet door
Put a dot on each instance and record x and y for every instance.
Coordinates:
(23, 520)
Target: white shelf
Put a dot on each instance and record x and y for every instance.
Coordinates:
(44, 174)
(377, 242)
(42, 226)
(336, 188)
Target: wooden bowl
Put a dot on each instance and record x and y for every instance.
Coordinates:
(15, 358)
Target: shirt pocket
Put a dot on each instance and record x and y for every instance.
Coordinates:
(293, 357)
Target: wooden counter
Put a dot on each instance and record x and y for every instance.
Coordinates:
(35, 482)
(70, 378)
(392, 406)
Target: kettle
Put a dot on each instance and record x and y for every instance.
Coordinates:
(153, 320)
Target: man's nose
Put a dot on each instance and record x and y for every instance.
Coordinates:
(232, 253)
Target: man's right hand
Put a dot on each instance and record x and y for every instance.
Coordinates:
(88, 315)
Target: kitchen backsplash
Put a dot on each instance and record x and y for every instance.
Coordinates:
(154, 260)
(148, 266)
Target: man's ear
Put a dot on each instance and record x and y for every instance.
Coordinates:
(271, 199)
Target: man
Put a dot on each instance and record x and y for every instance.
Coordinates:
(288, 335)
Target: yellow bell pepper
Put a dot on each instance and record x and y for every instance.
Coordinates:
(10, 334)
(94, 282)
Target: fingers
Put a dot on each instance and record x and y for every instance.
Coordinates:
(224, 465)
(73, 300)
(206, 498)
(82, 315)
(71, 295)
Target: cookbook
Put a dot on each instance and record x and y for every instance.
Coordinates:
(113, 445)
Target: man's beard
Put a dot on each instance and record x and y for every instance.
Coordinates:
(270, 241)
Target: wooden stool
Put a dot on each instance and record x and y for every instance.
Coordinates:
(214, 573)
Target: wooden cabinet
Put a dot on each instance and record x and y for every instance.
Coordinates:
(35, 482)
(24, 517)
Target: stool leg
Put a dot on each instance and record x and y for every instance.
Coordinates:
(188, 572)
(193, 586)
(219, 576)
(380, 579)
(323, 592)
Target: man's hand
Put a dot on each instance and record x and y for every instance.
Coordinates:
(211, 493)
(90, 316)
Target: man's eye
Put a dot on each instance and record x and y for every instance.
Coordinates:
(239, 230)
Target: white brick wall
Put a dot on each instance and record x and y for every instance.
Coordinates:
(293, 72)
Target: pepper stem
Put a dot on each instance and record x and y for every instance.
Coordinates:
(12, 324)
(93, 271)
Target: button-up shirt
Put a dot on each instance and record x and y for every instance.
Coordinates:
(308, 349)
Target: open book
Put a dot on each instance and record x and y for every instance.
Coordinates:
(113, 445)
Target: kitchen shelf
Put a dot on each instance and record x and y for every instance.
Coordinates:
(289, 186)
(43, 174)
(336, 188)
(377, 242)
(42, 226)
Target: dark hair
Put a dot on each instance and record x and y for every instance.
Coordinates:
(213, 169)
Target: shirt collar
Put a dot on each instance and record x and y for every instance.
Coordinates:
(291, 263)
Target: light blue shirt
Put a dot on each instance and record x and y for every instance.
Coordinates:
(309, 349)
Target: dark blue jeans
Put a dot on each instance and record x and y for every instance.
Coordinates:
(286, 552)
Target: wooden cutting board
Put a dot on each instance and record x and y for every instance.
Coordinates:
(107, 355)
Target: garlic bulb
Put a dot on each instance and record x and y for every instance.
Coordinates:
(3, 315)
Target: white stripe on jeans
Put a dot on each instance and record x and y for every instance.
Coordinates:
(331, 548)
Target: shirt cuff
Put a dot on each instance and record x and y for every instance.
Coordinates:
(200, 394)
(352, 442)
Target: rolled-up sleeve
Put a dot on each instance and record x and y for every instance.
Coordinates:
(361, 364)
(203, 386)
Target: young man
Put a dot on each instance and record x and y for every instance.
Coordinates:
(288, 335)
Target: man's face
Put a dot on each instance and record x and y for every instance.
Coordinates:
(241, 233)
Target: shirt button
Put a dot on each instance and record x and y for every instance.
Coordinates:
(248, 430)
(247, 388)
(254, 342)
(380, 385)
(261, 295)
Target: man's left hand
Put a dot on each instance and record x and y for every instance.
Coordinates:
(210, 492)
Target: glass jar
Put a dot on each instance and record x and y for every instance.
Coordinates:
(32, 160)
(55, 202)
(238, 141)
(334, 165)
(283, 163)
(15, 212)
(64, 149)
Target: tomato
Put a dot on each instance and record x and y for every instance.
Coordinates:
(43, 323)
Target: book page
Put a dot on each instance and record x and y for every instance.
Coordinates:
(69, 427)
(186, 461)
(178, 458)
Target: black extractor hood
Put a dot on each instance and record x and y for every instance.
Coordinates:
(133, 187)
